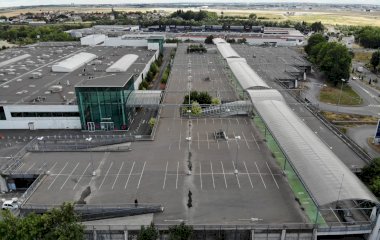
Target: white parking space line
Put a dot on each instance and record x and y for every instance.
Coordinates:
(249, 177)
(30, 167)
(105, 176)
(208, 143)
(228, 144)
(245, 139)
(118, 173)
(272, 175)
(198, 139)
(52, 166)
(42, 166)
(69, 176)
(142, 172)
(262, 179)
(237, 142)
(237, 120)
(237, 177)
(200, 174)
(80, 178)
(254, 139)
(57, 175)
(166, 172)
(179, 143)
(205, 121)
(176, 180)
(212, 175)
(245, 121)
(217, 141)
(224, 174)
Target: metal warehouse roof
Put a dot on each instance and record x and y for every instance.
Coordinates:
(72, 63)
(123, 63)
(245, 75)
(322, 172)
(225, 49)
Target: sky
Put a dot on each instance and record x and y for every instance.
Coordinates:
(9, 3)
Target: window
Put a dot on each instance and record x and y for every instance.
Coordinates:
(43, 114)
(2, 113)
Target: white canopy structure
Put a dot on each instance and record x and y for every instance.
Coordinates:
(245, 75)
(13, 60)
(72, 63)
(326, 177)
(123, 63)
(225, 48)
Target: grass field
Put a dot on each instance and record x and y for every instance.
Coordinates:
(326, 17)
(332, 94)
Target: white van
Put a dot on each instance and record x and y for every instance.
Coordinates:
(9, 204)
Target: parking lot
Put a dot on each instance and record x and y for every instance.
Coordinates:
(231, 180)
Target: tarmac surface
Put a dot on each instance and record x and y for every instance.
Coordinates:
(158, 171)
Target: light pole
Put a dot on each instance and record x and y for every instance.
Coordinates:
(89, 139)
(236, 171)
(340, 95)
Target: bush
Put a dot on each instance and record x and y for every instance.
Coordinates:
(200, 97)
(180, 232)
(152, 122)
(209, 39)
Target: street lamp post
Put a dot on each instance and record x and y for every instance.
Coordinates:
(236, 171)
(89, 139)
(340, 95)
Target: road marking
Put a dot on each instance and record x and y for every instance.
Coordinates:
(80, 178)
(200, 174)
(237, 178)
(208, 143)
(237, 120)
(69, 176)
(245, 121)
(166, 171)
(272, 175)
(43, 165)
(170, 146)
(213, 121)
(52, 166)
(30, 167)
(198, 139)
(228, 144)
(142, 172)
(57, 175)
(113, 185)
(258, 170)
(176, 180)
(126, 183)
(238, 145)
(245, 140)
(179, 143)
(205, 121)
(217, 141)
(254, 139)
(224, 174)
(105, 176)
(212, 175)
(249, 177)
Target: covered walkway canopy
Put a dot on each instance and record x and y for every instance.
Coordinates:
(140, 98)
(326, 177)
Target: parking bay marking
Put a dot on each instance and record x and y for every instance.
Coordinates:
(142, 172)
(249, 177)
(176, 180)
(105, 176)
(212, 175)
(258, 170)
(272, 175)
(224, 174)
(57, 175)
(71, 173)
(80, 178)
(113, 185)
(126, 183)
(166, 171)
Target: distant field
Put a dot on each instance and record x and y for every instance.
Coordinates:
(327, 17)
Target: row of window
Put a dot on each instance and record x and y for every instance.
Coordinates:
(45, 114)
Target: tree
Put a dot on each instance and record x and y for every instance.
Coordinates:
(152, 122)
(209, 39)
(180, 232)
(149, 233)
(215, 101)
(252, 16)
(314, 40)
(370, 176)
(375, 60)
(317, 27)
(196, 108)
(61, 223)
(204, 98)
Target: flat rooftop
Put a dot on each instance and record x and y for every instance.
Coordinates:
(156, 172)
(18, 86)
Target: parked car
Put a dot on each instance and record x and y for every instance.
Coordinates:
(10, 204)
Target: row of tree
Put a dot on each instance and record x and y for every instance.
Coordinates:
(153, 70)
(30, 34)
(177, 232)
(369, 37)
(61, 223)
(333, 58)
(196, 16)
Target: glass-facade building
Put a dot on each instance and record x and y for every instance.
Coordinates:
(104, 107)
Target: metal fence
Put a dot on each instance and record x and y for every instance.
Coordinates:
(26, 195)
